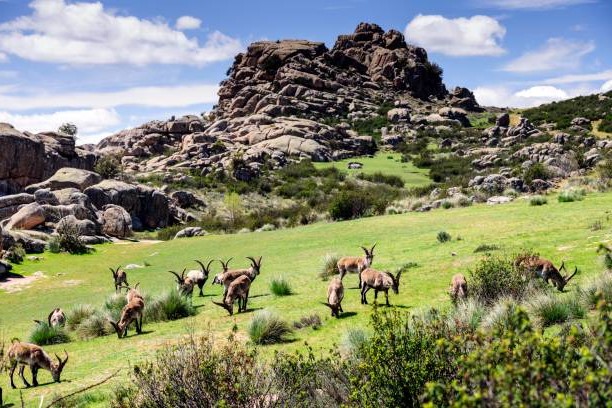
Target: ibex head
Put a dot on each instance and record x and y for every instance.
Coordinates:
(256, 264)
(335, 309)
(205, 269)
(180, 279)
(227, 307)
(56, 368)
(565, 279)
(396, 282)
(369, 254)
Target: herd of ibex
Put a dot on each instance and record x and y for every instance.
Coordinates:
(237, 284)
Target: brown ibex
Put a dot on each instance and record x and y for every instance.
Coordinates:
(227, 277)
(379, 281)
(120, 278)
(238, 289)
(199, 277)
(57, 317)
(356, 263)
(335, 294)
(184, 284)
(131, 312)
(35, 357)
(458, 288)
(545, 269)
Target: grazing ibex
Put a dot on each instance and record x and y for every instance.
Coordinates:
(227, 277)
(120, 278)
(458, 288)
(545, 269)
(335, 294)
(57, 317)
(200, 277)
(379, 281)
(35, 357)
(237, 289)
(184, 284)
(131, 312)
(356, 263)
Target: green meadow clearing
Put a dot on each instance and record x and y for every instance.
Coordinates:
(559, 231)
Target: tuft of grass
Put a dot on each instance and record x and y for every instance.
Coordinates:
(571, 195)
(268, 328)
(77, 315)
(467, 316)
(443, 237)
(353, 340)
(94, 326)
(486, 248)
(500, 316)
(329, 266)
(170, 305)
(446, 204)
(43, 334)
(114, 304)
(54, 245)
(597, 289)
(596, 226)
(538, 200)
(280, 287)
(551, 309)
(314, 321)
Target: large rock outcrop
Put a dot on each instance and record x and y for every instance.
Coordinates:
(26, 158)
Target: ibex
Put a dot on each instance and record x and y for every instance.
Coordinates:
(184, 284)
(335, 294)
(34, 356)
(131, 312)
(237, 289)
(200, 277)
(458, 288)
(120, 278)
(57, 317)
(227, 277)
(545, 269)
(356, 263)
(379, 281)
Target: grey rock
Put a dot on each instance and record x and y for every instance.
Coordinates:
(190, 232)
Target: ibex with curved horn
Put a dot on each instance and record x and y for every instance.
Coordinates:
(23, 354)
(227, 277)
(131, 312)
(545, 269)
(238, 289)
(380, 282)
(184, 284)
(356, 264)
(335, 294)
(120, 278)
(200, 277)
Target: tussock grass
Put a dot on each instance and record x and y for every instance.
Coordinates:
(571, 195)
(486, 248)
(353, 340)
(77, 315)
(500, 315)
(550, 309)
(313, 320)
(329, 266)
(597, 289)
(43, 334)
(268, 328)
(538, 200)
(443, 237)
(171, 305)
(94, 326)
(114, 304)
(467, 315)
(280, 287)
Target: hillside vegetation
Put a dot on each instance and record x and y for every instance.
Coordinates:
(557, 230)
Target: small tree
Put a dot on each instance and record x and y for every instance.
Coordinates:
(234, 206)
(69, 129)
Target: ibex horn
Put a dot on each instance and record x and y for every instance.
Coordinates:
(570, 277)
(562, 266)
(201, 265)
(179, 279)
(223, 305)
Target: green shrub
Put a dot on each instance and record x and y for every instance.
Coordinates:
(267, 328)
(380, 178)
(329, 266)
(604, 170)
(171, 305)
(535, 171)
(446, 204)
(486, 248)
(501, 317)
(54, 245)
(69, 239)
(571, 195)
(108, 167)
(538, 200)
(467, 316)
(497, 276)
(113, 305)
(43, 334)
(443, 237)
(370, 126)
(16, 254)
(563, 112)
(280, 287)
(606, 124)
(96, 325)
(77, 315)
(551, 309)
(599, 288)
(353, 341)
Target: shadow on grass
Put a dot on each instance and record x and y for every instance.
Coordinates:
(260, 295)
(10, 275)
(345, 315)
(142, 333)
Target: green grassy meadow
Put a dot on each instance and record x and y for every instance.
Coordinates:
(384, 162)
(559, 231)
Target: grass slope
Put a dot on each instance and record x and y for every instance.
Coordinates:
(557, 230)
(386, 163)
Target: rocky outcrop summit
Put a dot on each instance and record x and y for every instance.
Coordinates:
(27, 158)
(292, 99)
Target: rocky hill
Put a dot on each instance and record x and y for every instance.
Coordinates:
(296, 98)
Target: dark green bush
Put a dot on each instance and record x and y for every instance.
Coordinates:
(378, 177)
(538, 200)
(268, 328)
(171, 305)
(108, 167)
(443, 237)
(355, 203)
(43, 334)
(280, 287)
(535, 171)
(486, 248)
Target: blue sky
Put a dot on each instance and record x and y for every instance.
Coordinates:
(110, 65)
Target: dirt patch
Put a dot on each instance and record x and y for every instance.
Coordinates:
(142, 242)
(17, 283)
(72, 282)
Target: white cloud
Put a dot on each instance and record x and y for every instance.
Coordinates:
(607, 86)
(153, 96)
(89, 121)
(502, 96)
(557, 53)
(3, 57)
(188, 23)
(534, 4)
(86, 34)
(569, 79)
(474, 36)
